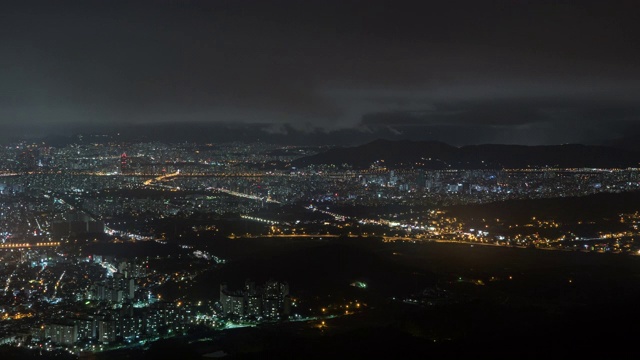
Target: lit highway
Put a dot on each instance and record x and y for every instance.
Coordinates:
(17, 246)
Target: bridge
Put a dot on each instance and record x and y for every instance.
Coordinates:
(161, 178)
(250, 236)
(19, 246)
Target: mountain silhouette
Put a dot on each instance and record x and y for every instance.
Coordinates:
(438, 155)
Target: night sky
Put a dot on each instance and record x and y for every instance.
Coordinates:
(463, 72)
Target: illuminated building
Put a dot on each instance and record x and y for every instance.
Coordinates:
(61, 332)
(270, 301)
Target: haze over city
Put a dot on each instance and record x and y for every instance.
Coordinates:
(462, 72)
(313, 179)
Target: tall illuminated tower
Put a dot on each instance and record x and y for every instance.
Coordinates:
(123, 162)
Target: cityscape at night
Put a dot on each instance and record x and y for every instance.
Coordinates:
(305, 179)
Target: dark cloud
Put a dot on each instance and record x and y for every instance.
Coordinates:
(508, 113)
(528, 121)
(483, 68)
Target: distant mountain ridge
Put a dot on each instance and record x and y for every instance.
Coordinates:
(438, 155)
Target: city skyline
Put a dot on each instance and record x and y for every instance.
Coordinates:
(120, 248)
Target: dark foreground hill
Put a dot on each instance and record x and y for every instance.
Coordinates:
(531, 304)
(437, 155)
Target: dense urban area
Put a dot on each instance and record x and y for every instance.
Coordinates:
(71, 215)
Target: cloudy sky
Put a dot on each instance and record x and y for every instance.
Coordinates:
(526, 72)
